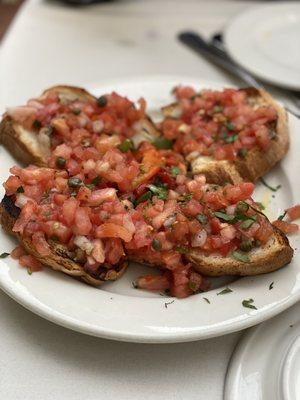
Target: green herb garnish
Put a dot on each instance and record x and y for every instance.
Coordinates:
(102, 101)
(126, 145)
(238, 255)
(96, 180)
(271, 285)
(224, 291)
(134, 284)
(156, 244)
(202, 218)
(248, 304)
(224, 216)
(20, 189)
(60, 162)
(160, 191)
(185, 198)
(274, 189)
(76, 111)
(217, 109)
(162, 143)
(230, 126)
(280, 218)
(4, 255)
(248, 222)
(170, 302)
(242, 206)
(206, 299)
(230, 139)
(29, 271)
(181, 249)
(175, 171)
(144, 197)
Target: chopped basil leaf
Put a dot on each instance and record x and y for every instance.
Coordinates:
(217, 109)
(274, 189)
(163, 143)
(225, 291)
(144, 197)
(246, 224)
(230, 139)
(193, 286)
(102, 101)
(271, 285)
(126, 145)
(29, 271)
(76, 111)
(181, 249)
(242, 153)
(280, 218)
(185, 198)
(240, 256)
(4, 255)
(206, 299)
(134, 285)
(20, 189)
(160, 191)
(224, 216)
(202, 218)
(175, 171)
(242, 206)
(156, 244)
(96, 180)
(248, 304)
(170, 302)
(230, 126)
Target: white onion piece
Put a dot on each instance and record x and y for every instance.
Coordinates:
(98, 126)
(21, 200)
(199, 239)
(84, 244)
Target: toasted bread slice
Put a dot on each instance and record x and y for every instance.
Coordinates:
(28, 147)
(257, 162)
(275, 254)
(59, 260)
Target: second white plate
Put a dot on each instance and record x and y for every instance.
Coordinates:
(266, 41)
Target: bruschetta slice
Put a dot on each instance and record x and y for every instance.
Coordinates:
(32, 132)
(230, 135)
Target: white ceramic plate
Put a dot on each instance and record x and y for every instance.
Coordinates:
(266, 41)
(266, 362)
(118, 311)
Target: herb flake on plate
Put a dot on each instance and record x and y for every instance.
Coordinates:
(271, 285)
(206, 299)
(170, 302)
(225, 291)
(4, 255)
(274, 189)
(249, 304)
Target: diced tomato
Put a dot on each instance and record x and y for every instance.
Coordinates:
(18, 252)
(286, 227)
(82, 222)
(31, 263)
(57, 230)
(69, 209)
(153, 282)
(40, 244)
(240, 192)
(293, 212)
(110, 230)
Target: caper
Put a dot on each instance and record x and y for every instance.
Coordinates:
(60, 162)
(74, 182)
(102, 101)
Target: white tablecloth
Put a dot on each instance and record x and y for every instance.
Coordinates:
(50, 43)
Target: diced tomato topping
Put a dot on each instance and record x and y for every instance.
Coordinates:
(293, 212)
(153, 282)
(31, 263)
(286, 227)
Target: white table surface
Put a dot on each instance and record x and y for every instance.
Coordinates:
(50, 43)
